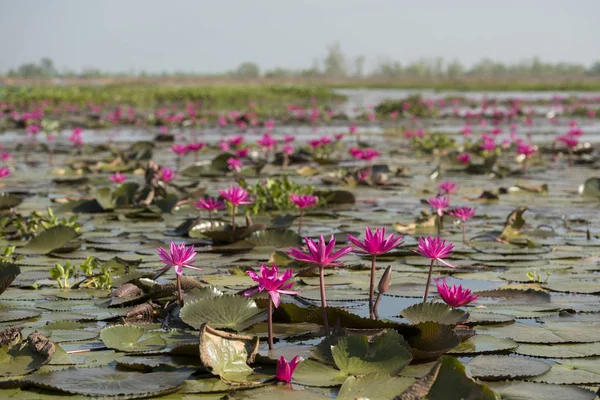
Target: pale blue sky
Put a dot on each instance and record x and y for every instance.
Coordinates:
(217, 35)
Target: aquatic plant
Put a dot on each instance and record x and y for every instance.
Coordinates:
(303, 201)
(455, 296)
(435, 249)
(463, 213)
(178, 257)
(235, 196)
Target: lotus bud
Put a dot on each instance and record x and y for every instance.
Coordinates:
(384, 282)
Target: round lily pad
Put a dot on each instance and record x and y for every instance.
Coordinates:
(434, 312)
(484, 344)
(233, 312)
(130, 338)
(496, 368)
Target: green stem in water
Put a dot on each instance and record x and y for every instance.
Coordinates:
(270, 324)
(179, 294)
(233, 212)
(323, 299)
(464, 232)
(372, 287)
(300, 221)
(428, 281)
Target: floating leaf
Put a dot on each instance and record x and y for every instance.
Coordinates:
(446, 381)
(555, 333)
(497, 368)
(514, 223)
(355, 355)
(584, 371)
(434, 312)
(484, 344)
(131, 338)
(539, 391)
(374, 386)
(312, 373)
(227, 354)
(233, 312)
(20, 359)
(8, 201)
(49, 240)
(107, 381)
(572, 350)
(433, 340)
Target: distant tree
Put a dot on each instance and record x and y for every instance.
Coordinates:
(247, 70)
(359, 66)
(335, 61)
(595, 68)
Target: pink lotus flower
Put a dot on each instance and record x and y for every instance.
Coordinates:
(448, 187)
(455, 296)
(267, 141)
(364, 175)
(315, 143)
(179, 149)
(526, 150)
(371, 116)
(196, 147)
(270, 281)
(338, 136)
(320, 254)
(163, 130)
(236, 196)
(118, 177)
(287, 149)
(76, 138)
(304, 200)
(464, 158)
(222, 122)
(376, 243)
(234, 164)
(288, 139)
(440, 204)
(5, 156)
(209, 204)
(352, 129)
(242, 152)
(369, 154)
(394, 114)
(570, 141)
(325, 140)
(436, 249)
(236, 140)
(488, 145)
(464, 213)
(466, 131)
(270, 124)
(4, 172)
(165, 175)
(224, 146)
(178, 257)
(285, 370)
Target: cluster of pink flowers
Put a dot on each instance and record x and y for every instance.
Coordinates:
(76, 137)
(367, 154)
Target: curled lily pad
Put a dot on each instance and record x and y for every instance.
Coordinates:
(433, 340)
(49, 240)
(232, 312)
(514, 223)
(497, 368)
(17, 359)
(8, 273)
(227, 354)
(131, 338)
(109, 382)
(434, 312)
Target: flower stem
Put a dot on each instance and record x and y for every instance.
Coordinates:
(210, 219)
(428, 281)
(300, 221)
(323, 299)
(464, 232)
(439, 225)
(233, 212)
(179, 294)
(270, 324)
(372, 287)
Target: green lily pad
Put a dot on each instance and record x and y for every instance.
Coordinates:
(109, 382)
(8, 201)
(20, 359)
(446, 381)
(434, 312)
(131, 338)
(49, 240)
(355, 355)
(484, 344)
(551, 333)
(227, 354)
(232, 312)
(433, 340)
(569, 350)
(539, 391)
(312, 373)
(497, 368)
(584, 371)
(373, 386)
(574, 286)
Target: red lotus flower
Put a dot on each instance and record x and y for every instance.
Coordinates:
(435, 249)
(319, 253)
(236, 195)
(464, 213)
(178, 257)
(234, 164)
(448, 187)
(455, 296)
(526, 150)
(165, 175)
(285, 370)
(376, 243)
(179, 149)
(4, 172)
(464, 158)
(209, 204)
(440, 204)
(270, 281)
(195, 147)
(118, 178)
(304, 200)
